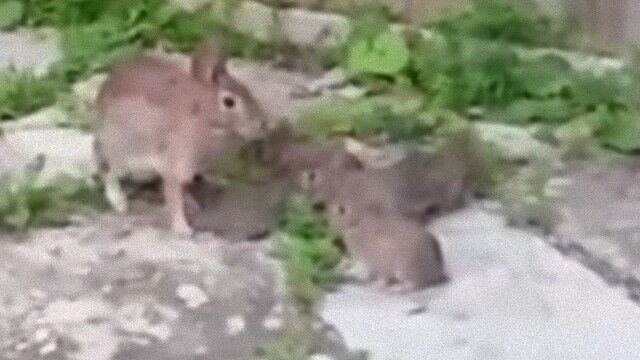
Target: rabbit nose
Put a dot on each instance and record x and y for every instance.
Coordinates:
(264, 125)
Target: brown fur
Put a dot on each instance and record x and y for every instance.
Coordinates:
(155, 119)
(419, 186)
(393, 248)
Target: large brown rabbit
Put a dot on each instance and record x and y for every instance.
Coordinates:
(157, 119)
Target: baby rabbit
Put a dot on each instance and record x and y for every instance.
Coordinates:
(156, 119)
(290, 154)
(393, 248)
(419, 186)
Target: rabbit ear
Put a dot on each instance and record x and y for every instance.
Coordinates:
(372, 156)
(208, 62)
(348, 161)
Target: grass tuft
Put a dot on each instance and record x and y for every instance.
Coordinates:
(22, 92)
(26, 201)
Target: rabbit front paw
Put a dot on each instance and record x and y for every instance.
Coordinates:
(180, 226)
(115, 195)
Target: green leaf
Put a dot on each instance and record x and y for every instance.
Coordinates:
(10, 13)
(526, 110)
(386, 54)
(621, 130)
(20, 217)
(580, 128)
(543, 77)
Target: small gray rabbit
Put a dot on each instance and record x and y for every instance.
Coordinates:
(419, 186)
(157, 119)
(392, 248)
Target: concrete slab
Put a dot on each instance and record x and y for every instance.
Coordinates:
(511, 297)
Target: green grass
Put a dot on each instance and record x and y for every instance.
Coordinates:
(21, 92)
(526, 199)
(308, 256)
(472, 66)
(308, 253)
(480, 75)
(77, 110)
(514, 21)
(397, 116)
(25, 201)
(96, 34)
(465, 74)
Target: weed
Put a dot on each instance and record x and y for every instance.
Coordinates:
(23, 92)
(308, 255)
(26, 201)
(78, 111)
(96, 34)
(514, 21)
(396, 116)
(527, 200)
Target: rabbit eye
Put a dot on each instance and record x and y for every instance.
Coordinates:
(342, 210)
(229, 102)
(311, 176)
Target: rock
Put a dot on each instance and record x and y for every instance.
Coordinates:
(67, 151)
(29, 50)
(352, 92)
(312, 28)
(41, 335)
(320, 357)
(48, 348)
(61, 312)
(514, 143)
(42, 119)
(138, 319)
(332, 78)
(299, 26)
(272, 322)
(254, 19)
(192, 295)
(190, 5)
(88, 90)
(273, 88)
(235, 325)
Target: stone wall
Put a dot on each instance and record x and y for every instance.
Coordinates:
(608, 24)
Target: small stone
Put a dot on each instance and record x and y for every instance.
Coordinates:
(235, 325)
(37, 294)
(192, 295)
(278, 309)
(320, 357)
(41, 335)
(620, 262)
(49, 348)
(491, 205)
(167, 312)
(352, 92)
(272, 323)
(83, 271)
(56, 252)
(107, 289)
(119, 254)
(330, 79)
(161, 331)
(139, 340)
